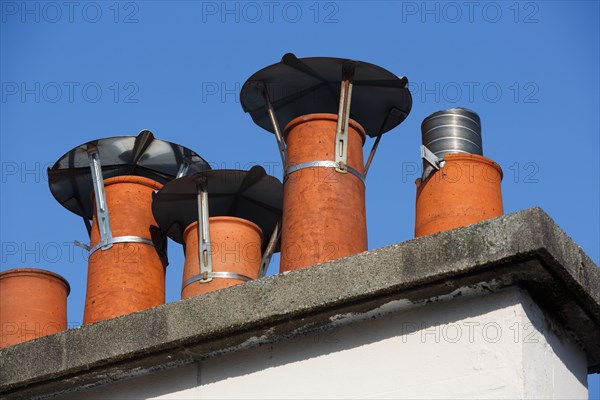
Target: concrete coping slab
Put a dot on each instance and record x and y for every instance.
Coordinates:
(526, 249)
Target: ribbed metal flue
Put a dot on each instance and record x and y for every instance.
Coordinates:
(457, 130)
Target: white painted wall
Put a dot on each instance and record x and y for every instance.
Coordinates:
(488, 346)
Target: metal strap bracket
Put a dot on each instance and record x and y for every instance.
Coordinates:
(372, 154)
(324, 164)
(183, 168)
(341, 135)
(431, 159)
(82, 245)
(204, 252)
(276, 128)
(266, 260)
(393, 112)
(219, 275)
(102, 217)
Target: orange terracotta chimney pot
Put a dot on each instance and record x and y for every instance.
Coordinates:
(235, 247)
(33, 303)
(128, 277)
(464, 191)
(324, 214)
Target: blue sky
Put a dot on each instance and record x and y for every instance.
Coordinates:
(79, 71)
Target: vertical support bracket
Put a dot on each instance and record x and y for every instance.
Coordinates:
(266, 260)
(102, 217)
(341, 135)
(276, 128)
(434, 161)
(204, 252)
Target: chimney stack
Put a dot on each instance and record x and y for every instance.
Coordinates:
(33, 303)
(324, 214)
(111, 181)
(221, 216)
(327, 107)
(130, 276)
(235, 252)
(459, 185)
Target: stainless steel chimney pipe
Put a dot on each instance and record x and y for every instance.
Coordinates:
(457, 130)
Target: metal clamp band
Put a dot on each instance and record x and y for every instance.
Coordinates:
(223, 275)
(323, 164)
(120, 239)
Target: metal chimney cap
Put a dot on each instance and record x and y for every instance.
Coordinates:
(70, 178)
(301, 86)
(251, 195)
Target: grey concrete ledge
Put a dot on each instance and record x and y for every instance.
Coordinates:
(525, 248)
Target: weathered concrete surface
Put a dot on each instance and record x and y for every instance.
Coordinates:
(525, 248)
